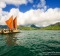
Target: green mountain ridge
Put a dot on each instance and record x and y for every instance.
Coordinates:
(55, 26)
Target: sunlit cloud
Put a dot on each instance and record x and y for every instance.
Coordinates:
(38, 17)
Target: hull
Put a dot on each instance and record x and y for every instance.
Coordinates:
(9, 31)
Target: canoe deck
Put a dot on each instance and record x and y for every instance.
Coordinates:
(9, 31)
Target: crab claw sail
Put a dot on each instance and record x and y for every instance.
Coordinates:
(9, 22)
(15, 23)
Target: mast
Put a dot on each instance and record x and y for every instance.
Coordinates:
(15, 23)
(9, 22)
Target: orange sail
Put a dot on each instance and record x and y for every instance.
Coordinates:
(10, 22)
(15, 23)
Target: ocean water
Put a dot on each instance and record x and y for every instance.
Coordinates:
(31, 43)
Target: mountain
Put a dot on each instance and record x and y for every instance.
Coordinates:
(3, 26)
(34, 26)
(55, 26)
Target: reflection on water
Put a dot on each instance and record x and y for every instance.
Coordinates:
(10, 48)
(11, 40)
(30, 43)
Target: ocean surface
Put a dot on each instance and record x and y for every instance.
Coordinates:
(31, 43)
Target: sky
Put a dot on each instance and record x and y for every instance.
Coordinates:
(38, 12)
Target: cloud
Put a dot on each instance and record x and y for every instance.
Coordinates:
(36, 17)
(2, 5)
(41, 18)
(42, 5)
(31, 1)
(3, 17)
(16, 2)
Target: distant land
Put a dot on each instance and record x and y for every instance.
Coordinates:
(55, 26)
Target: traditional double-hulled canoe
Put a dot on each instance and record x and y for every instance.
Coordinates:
(12, 26)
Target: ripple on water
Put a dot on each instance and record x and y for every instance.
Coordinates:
(30, 43)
